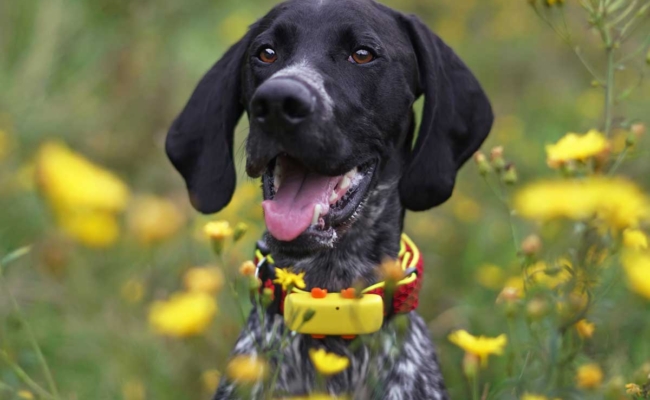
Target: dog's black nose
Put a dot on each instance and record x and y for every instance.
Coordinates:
(282, 103)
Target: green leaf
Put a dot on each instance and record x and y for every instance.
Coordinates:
(14, 255)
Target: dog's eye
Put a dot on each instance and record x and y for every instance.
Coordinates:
(361, 56)
(268, 55)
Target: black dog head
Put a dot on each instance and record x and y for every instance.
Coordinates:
(329, 87)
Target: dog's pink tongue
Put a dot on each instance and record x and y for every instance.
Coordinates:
(291, 212)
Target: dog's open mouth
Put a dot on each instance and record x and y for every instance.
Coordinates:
(299, 200)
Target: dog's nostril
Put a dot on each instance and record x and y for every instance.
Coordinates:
(296, 108)
(260, 108)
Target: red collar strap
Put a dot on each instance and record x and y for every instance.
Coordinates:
(405, 298)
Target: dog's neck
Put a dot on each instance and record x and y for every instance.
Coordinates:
(353, 260)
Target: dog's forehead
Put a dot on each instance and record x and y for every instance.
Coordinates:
(327, 16)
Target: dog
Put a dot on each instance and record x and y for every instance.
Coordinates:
(328, 87)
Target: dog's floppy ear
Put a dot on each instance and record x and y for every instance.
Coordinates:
(200, 141)
(457, 117)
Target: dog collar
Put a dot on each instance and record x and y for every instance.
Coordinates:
(343, 313)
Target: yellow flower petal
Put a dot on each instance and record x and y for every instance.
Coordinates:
(589, 376)
(184, 314)
(247, 369)
(328, 363)
(480, 346)
(286, 279)
(576, 147)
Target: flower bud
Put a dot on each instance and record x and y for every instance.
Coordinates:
(247, 268)
(482, 163)
(267, 297)
(510, 175)
(470, 365)
(239, 231)
(496, 157)
(537, 309)
(531, 245)
(638, 129)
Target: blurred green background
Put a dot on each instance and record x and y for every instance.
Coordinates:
(107, 77)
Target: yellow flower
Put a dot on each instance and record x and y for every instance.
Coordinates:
(614, 201)
(391, 270)
(328, 363)
(25, 394)
(247, 268)
(134, 390)
(247, 368)
(204, 279)
(576, 147)
(633, 389)
(480, 346)
(152, 219)
(184, 314)
(585, 328)
(552, 3)
(589, 376)
(635, 239)
(637, 270)
(210, 379)
(96, 229)
(132, 291)
(490, 276)
(286, 279)
(539, 273)
(85, 198)
(528, 396)
(218, 230)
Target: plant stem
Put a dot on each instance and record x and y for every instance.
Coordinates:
(475, 391)
(32, 339)
(25, 377)
(609, 90)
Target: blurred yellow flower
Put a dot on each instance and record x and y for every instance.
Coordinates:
(615, 201)
(576, 147)
(85, 198)
(637, 270)
(552, 3)
(635, 239)
(391, 270)
(490, 276)
(25, 394)
(92, 228)
(210, 380)
(328, 363)
(184, 314)
(540, 273)
(204, 279)
(134, 390)
(528, 396)
(247, 368)
(480, 346)
(218, 230)
(286, 279)
(152, 219)
(247, 268)
(633, 389)
(585, 328)
(589, 376)
(132, 291)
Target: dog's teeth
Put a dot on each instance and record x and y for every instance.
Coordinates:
(345, 183)
(277, 176)
(351, 173)
(317, 210)
(333, 197)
